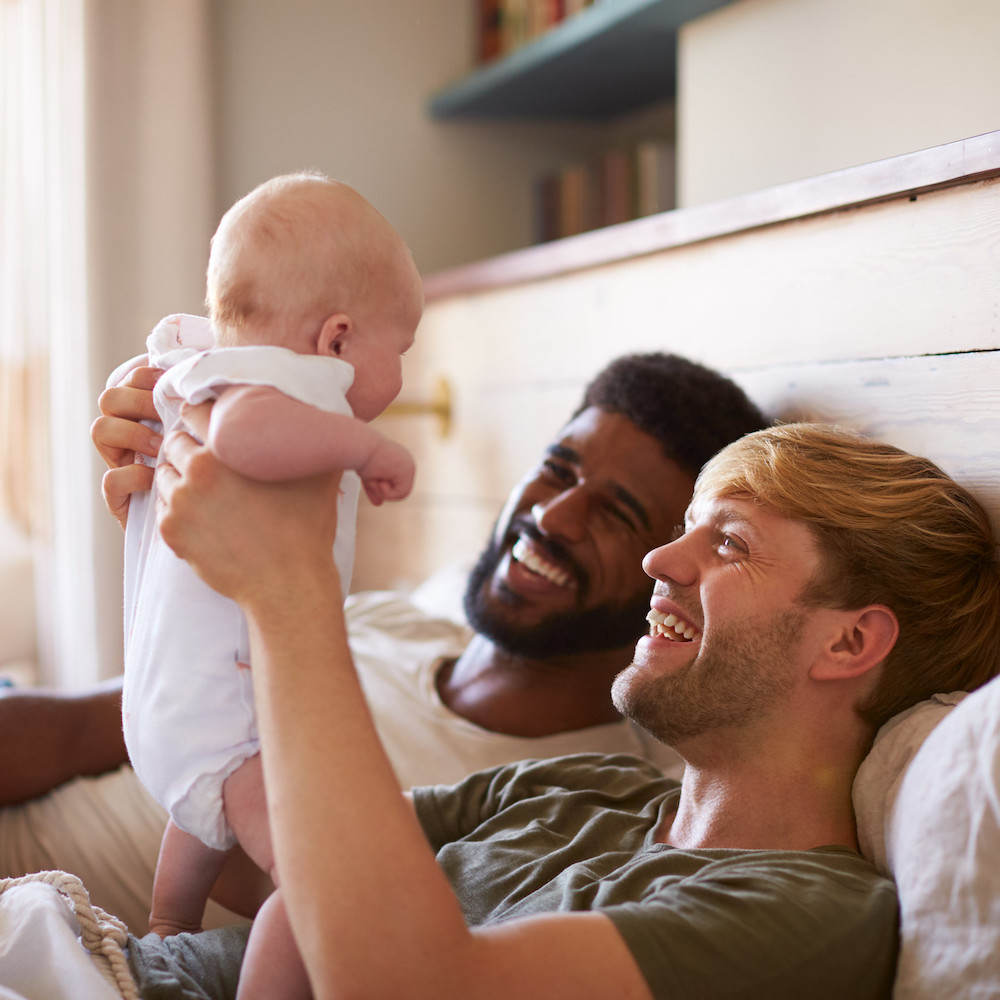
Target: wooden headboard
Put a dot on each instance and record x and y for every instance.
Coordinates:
(869, 297)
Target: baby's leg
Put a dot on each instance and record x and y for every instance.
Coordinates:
(246, 812)
(272, 966)
(185, 873)
(241, 887)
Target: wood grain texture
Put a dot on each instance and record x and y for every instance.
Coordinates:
(884, 316)
(946, 408)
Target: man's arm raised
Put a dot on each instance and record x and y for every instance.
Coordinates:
(361, 882)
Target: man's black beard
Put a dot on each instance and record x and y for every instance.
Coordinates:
(566, 633)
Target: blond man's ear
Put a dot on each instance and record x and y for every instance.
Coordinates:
(861, 641)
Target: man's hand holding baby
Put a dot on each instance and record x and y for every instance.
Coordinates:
(119, 436)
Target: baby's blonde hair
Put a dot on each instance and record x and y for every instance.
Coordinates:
(295, 250)
(892, 529)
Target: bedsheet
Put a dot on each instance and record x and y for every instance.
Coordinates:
(44, 921)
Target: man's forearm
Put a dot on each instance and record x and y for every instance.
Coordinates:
(358, 876)
(315, 725)
(48, 738)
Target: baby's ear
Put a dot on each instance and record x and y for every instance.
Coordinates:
(334, 336)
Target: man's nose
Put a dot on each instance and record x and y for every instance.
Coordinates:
(563, 515)
(672, 562)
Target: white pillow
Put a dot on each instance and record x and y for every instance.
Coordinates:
(881, 773)
(42, 957)
(943, 839)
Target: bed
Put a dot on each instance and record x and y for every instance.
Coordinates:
(869, 297)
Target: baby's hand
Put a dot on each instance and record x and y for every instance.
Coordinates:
(388, 474)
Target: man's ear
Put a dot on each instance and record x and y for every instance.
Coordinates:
(864, 639)
(335, 335)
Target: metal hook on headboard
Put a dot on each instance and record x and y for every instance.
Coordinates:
(438, 406)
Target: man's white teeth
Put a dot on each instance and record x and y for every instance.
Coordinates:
(526, 555)
(670, 627)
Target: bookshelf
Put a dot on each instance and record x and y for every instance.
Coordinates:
(609, 59)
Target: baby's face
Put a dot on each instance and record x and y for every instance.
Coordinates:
(377, 356)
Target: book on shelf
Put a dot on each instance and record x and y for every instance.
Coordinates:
(656, 178)
(488, 41)
(620, 185)
(505, 25)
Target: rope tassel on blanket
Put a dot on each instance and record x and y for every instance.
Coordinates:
(103, 935)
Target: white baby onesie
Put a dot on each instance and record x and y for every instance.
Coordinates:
(187, 705)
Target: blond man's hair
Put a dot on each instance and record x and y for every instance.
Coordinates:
(892, 529)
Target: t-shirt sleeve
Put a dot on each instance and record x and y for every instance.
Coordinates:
(804, 924)
(449, 812)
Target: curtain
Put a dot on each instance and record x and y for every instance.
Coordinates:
(44, 453)
(106, 208)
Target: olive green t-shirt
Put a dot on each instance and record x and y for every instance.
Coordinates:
(576, 833)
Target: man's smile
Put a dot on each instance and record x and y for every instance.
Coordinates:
(531, 558)
(670, 626)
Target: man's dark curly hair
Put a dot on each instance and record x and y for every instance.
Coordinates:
(691, 410)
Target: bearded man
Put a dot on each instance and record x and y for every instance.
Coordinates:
(555, 603)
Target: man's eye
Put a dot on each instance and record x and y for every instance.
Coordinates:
(733, 544)
(557, 471)
(621, 515)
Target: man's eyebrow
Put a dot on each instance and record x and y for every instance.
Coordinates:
(632, 503)
(562, 451)
(731, 513)
(728, 514)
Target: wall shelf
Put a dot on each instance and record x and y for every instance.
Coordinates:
(911, 175)
(609, 59)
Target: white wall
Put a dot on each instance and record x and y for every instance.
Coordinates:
(342, 86)
(769, 90)
(776, 90)
(336, 85)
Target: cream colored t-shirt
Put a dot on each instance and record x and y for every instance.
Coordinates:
(107, 830)
(398, 649)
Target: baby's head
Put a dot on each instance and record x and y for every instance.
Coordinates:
(304, 262)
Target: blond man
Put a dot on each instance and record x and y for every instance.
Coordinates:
(809, 557)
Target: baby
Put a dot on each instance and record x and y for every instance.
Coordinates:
(313, 300)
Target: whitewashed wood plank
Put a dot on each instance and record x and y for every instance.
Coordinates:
(888, 280)
(946, 408)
